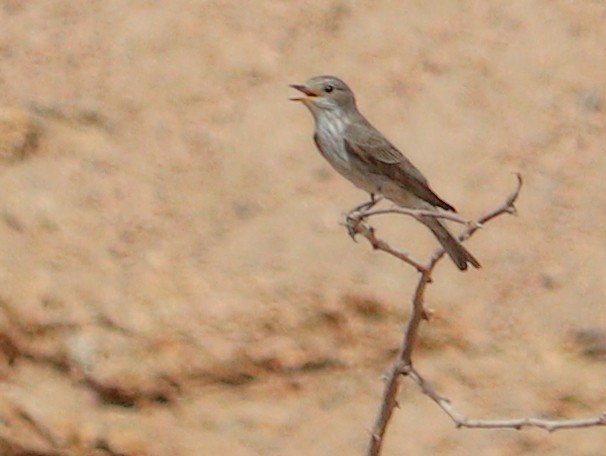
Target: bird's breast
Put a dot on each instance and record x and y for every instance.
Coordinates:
(330, 130)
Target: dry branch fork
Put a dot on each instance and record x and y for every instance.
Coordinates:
(356, 223)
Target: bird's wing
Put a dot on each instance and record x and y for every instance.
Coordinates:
(370, 146)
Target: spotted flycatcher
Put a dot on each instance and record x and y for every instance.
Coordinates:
(360, 153)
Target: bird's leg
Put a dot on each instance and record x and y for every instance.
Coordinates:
(356, 215)
(367, 205)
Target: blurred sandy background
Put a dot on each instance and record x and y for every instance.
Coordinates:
(174, 279)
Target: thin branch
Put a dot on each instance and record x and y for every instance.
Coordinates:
(416, 213)
(403, 362)
(359, 227)
(508, 207)
(356, 224)
(516, 423)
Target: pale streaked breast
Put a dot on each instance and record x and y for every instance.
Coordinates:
(330, 128)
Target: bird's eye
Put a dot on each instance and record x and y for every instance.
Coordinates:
(329, 88)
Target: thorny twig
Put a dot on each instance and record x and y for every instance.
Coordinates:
(356, 223)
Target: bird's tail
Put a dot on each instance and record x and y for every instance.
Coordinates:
(459, 254)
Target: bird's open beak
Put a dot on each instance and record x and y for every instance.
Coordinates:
(301, 88)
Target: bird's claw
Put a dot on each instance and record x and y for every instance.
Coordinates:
(351, 225)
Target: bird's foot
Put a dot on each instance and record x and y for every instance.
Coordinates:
(358, 211)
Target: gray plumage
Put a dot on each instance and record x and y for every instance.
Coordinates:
(360, 153)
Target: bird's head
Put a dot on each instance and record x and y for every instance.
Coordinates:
(324, 93)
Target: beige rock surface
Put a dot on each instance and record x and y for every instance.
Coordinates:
(174, 279)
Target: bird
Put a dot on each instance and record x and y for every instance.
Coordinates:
(361, 154)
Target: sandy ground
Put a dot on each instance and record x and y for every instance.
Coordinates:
(174, 279)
